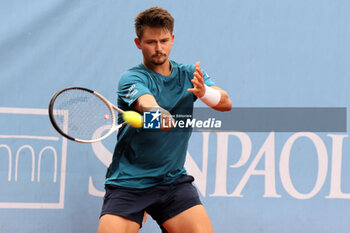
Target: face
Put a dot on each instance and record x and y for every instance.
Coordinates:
(155, 45)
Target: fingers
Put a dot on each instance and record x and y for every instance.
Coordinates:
(198, 74)
(199, 77)
(197, 69)
(197, 81)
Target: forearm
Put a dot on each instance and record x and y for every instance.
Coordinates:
(145, 103)
(225, 103)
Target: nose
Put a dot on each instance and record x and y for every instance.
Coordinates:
(158, 47)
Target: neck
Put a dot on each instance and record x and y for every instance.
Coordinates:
(164, 69)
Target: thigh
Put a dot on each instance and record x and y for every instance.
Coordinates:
(192, 220)
(177, 197)
(116, 224)
(125, 205)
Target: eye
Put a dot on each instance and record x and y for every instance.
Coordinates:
(149, 41)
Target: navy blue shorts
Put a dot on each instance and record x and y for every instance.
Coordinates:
(162, 202)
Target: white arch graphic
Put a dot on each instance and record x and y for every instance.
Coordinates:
(55, 162)
(10, 159)
(62, 162)
(33, 160)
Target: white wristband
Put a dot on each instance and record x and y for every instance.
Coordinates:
(211, 96)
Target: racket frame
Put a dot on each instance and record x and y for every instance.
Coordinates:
(110, 106)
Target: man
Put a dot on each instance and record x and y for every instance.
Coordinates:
(147, 172)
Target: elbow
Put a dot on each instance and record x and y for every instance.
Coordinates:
(225, 107)
(228, 106)
(225, 103)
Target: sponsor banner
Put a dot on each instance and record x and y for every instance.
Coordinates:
(331, 119)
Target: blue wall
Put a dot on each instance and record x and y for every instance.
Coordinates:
(263, 53)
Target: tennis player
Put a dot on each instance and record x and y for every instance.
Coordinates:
(147, 171)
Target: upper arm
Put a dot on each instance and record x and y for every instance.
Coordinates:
(131, 87)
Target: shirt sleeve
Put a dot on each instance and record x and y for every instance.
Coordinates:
(207, 79)
(131, 87)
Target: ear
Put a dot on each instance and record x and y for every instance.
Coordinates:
(172, 39)
(137, 42)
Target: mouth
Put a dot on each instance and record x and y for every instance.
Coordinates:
(159, 59)
(159, 55)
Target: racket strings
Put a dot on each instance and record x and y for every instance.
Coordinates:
(86, 113)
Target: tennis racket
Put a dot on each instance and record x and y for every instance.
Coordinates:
(83, 115)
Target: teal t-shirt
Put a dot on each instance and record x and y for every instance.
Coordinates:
(142, 157)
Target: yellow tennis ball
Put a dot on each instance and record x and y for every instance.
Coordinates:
(133, 118)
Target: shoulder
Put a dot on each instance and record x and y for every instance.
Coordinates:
(183, 67)
(137, 73)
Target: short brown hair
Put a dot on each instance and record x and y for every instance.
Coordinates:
(154, 17)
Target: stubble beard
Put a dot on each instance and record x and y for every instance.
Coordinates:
(159, 62)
